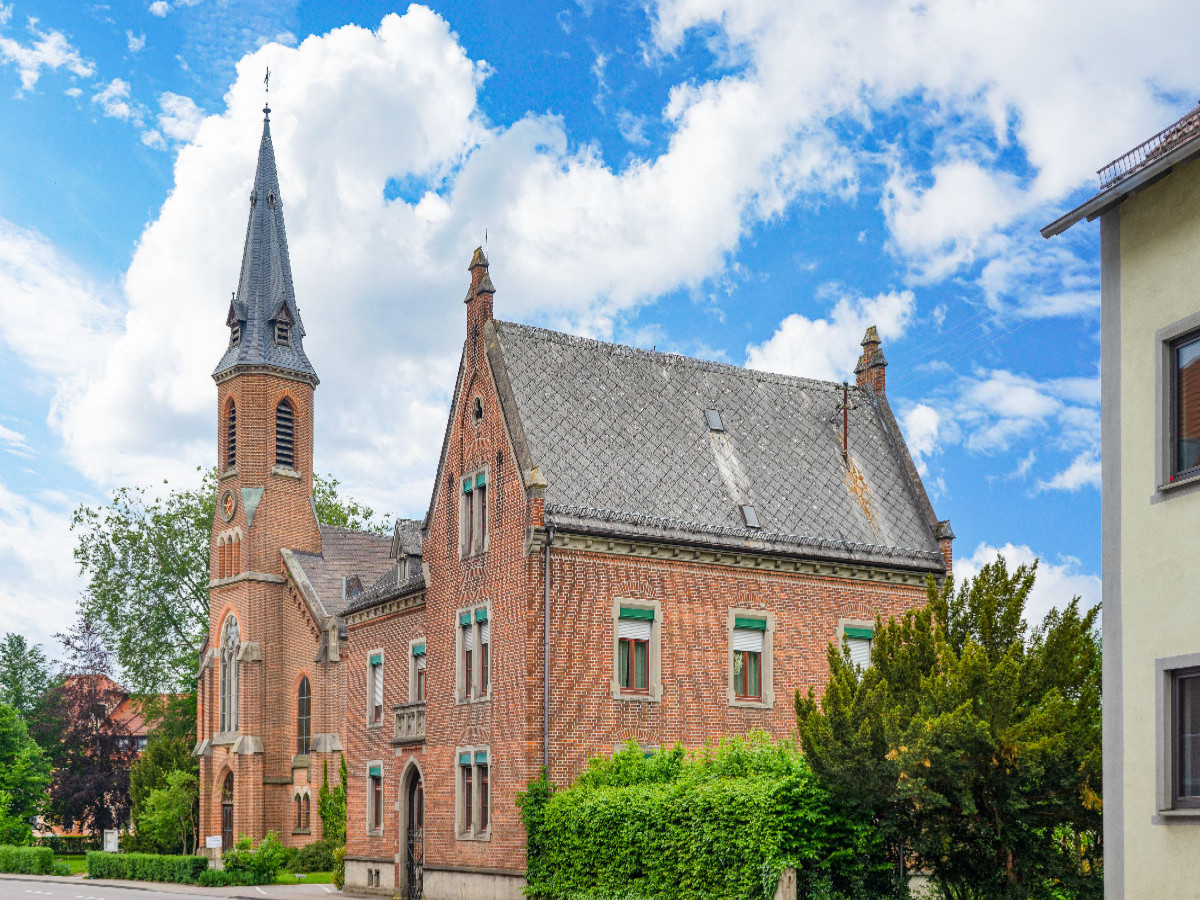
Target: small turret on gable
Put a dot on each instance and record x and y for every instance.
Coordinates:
(871, 368)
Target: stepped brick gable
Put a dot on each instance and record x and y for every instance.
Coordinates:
(620, 545)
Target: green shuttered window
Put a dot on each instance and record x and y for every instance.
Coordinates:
(750, 624)
(419, 650)
(862, 634)
(633, 612)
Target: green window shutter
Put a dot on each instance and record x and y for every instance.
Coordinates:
(633, 612)
(464, 618)
(377, 659)
(468, 485)
(481, 758)
(376, 771)
(750, 624)
(481, 479)
(419, 650)
(862, 634)
(481, 615)
(464, 759)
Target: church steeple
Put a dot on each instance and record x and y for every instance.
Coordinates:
(266, 332)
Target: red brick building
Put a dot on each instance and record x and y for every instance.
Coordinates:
(620, 545)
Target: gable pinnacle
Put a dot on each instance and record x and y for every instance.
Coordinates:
(478, 260)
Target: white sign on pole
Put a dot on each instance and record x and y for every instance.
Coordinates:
(212, 842)
(110, 841)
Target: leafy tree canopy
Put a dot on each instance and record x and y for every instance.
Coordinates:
(168, 750)
(973, 741)
(169, 815)
(24, 776)
(145, 557)
(24, 673)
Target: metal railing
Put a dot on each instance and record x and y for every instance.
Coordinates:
(1147, 150)
(409, 723)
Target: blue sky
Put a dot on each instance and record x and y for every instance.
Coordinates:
(751, 181)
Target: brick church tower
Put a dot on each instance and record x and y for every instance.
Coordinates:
(265, 386)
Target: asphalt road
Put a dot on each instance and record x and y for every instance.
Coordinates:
(32, 887)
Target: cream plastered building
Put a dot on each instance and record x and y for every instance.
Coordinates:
(1149, 212)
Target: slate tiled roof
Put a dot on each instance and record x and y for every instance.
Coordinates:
(406, 540)
(621, 439)
(387, 587)
(265, 284)
(345, 553)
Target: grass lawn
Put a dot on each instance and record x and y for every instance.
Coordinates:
(310, 878)
(77, 863)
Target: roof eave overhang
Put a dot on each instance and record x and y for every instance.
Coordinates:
(1126, 187)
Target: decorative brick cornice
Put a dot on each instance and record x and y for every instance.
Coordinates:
(265, 577)
(762, 562)
(387, 608)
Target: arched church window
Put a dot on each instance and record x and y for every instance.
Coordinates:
(299, 817)
(303, 716)
(231, 436)
(285, 434)
(306, 810)
(231, 642)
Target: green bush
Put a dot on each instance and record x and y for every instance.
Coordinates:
(258, 866)
(146, 867)
(315, 857)
(62, 869)
(722, 823)
(27, 860)
(339, 867)
(214, 878)
(71, 844)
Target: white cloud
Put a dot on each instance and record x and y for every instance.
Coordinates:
(921, 425)
(1056, 582)
(159, 8)
(1084, 471)
(49, 50)
(136, 42)
(829, 348)
(15, 443)
(40, 583)
(5, 14)
(113, 98)
(180, 116)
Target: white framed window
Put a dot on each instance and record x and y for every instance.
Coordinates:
(375, 688)
(375, 806)
(418, 660)
(750, 634)
(857, 635)
(637, 650)
(472, 793)
(474, 644)
(473, 513)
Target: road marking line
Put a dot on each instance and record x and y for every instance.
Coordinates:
(261, 891)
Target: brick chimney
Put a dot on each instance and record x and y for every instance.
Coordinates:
(479, 294)
(871, 365)
(945, 539)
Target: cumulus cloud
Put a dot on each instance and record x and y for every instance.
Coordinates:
(49, 50)
(159, 8)
(180, 117)
(829, 348)
(136, 42)
(113, 98)
(921, 424)
(1055, 585)
(1084, 471)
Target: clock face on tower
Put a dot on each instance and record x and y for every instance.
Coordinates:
(228, 505)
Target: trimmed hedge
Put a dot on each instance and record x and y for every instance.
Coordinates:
(721, 823)
(27, 860)
(68, 844)
(146, 867)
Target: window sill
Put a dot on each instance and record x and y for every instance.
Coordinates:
(473, 557)
(374, 726)
(301, 831)
(1188, 816)
(286, 472)
(224, 738)
(750, 703)
(231, 472)
(464, 701)
(301, 761)
(618, 694)
(475, 835)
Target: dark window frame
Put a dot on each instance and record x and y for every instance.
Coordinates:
(631, 665)
(741, 684)
(1179, 801)
(467, 797)
(303, 716)
(1173, 347)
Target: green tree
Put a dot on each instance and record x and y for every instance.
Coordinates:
(168, 750)
(972, 741)
(145, 558)
(170, 816)
(331, 806)
(24, 777)
(24, 673)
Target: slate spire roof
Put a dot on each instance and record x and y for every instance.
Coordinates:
(265, 297)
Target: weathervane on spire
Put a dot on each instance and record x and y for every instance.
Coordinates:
(267, 91)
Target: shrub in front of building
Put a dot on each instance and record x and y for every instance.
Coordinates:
(27, 860)
(721, 822)
(146, 867)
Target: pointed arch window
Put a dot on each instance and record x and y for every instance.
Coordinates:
(285, 434)
(231, 642)
(231, 435)
(303, 716)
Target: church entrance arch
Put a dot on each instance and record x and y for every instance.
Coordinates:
(413, 830)
(227, 813)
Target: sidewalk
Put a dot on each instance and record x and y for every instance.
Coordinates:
(78, 886)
